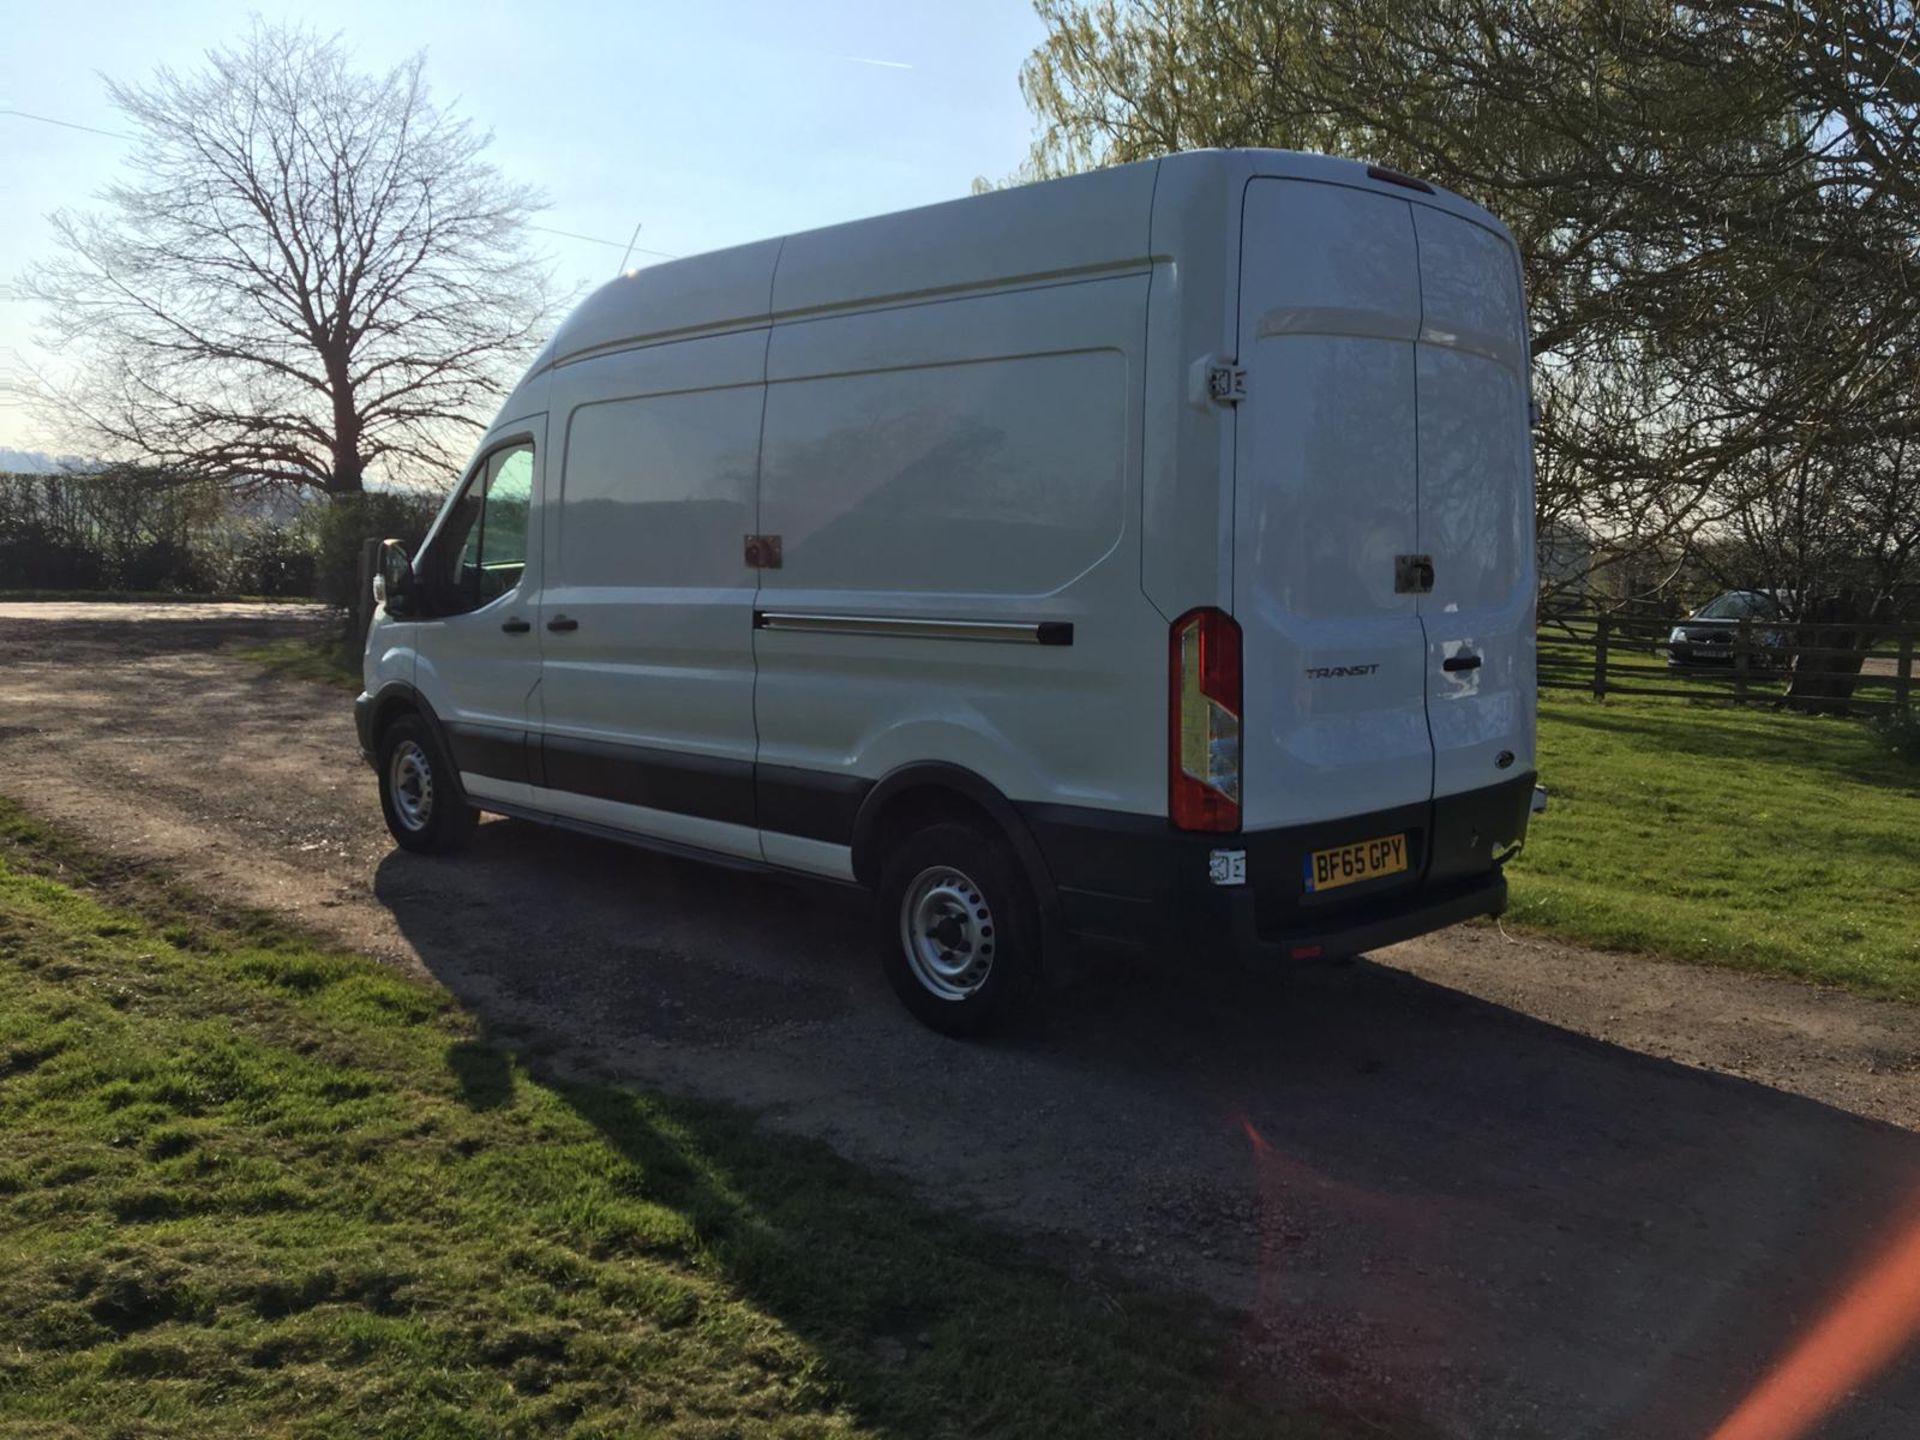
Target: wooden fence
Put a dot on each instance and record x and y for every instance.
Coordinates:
(1616, 655)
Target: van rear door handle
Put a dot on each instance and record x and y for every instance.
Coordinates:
(561, 622)
(1460, 662)
(516, 626)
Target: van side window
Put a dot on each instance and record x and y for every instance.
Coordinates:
(486, 536)
(503, 522)
(658, 490)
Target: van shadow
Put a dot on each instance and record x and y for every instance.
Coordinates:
(1376, 1170)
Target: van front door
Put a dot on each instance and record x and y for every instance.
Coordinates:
(478, 649)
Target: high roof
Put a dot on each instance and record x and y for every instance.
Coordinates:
(1082, 224)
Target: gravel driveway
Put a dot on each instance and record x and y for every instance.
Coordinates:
(1529, 1189)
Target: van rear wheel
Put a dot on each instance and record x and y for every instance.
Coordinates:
(957, 928)
(420, 793)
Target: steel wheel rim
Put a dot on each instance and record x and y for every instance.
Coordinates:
(946, 929)
(410, 783)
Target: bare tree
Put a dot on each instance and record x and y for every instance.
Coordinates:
(311, 278)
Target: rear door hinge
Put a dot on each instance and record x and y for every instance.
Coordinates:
(1226, 383)
(1218, 382)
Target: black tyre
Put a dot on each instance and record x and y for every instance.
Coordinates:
(420, 790)
(957, 928)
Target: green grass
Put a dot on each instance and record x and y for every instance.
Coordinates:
(1743, 837)
(321, 659)
(252, 1186)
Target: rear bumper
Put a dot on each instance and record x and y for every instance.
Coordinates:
(1430, 912)
(1690, 653)
(1133, 879)
(1699, 657)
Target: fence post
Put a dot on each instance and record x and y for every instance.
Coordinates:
(1742, 653)
(1903, 677)
(1600, 657)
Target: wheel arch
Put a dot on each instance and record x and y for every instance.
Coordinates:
(397, 698)
(923, 790)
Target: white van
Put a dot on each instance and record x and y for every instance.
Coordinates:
(1141, 556)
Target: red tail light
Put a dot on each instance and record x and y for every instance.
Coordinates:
(1203, 722)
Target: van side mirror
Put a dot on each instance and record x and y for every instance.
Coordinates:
(393, 581)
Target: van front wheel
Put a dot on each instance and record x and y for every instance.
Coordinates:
(957, 928)
(420, 790)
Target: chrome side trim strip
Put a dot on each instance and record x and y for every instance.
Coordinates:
(1014, 632)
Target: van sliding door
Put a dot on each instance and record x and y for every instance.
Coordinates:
(648, 681)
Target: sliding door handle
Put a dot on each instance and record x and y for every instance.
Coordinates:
(1454, 663)
(561, 622)
(516, 626)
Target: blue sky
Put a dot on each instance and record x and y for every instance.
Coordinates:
(707, 124)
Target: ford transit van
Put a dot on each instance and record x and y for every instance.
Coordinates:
(1145, 556)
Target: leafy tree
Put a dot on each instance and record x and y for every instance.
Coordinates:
(1717, 206)
(311, 276)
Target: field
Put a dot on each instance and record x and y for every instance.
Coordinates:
(1743, 837)
(252, 1186)
(1330, 1161)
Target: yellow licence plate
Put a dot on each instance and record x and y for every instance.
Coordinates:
(1363, 860)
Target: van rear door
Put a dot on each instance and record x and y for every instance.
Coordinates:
(1476, 504)
(1326, 509)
